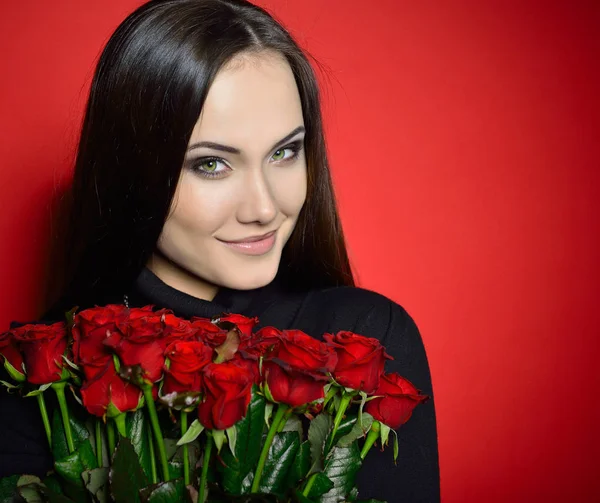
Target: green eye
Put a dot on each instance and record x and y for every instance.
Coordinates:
(279, 155)
(209, 165)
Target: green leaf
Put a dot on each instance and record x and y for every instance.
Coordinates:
(175, 469)
(320, 486)
(13, 372)
(72, 466)
(231, 438)
(219, 439)
(137, 427)
(59, 440)
(192, 433)
(318, 432)
(165, 492)
(96, 482)
(9, 386)
(126, 475)
(341, 467)
(293, 423)
(40, 390)
(279, 462)
(8, 488)
(357, 431)
(52, 482)
(301, 464)
(29, 488)
(384, 434)
(268, 413)
(237, 471)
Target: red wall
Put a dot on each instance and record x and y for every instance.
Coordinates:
(463, 140)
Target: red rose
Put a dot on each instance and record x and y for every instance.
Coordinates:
(297, 369)
(43, 348)
(141, 341)
(244, 323)
(178, 329)
(360, 360)
(399, 399)
(10, 351)
(186, 358)
(208, 332)
(262, 343)
(90, 330)
(106, 388)
(250, 364)
(227, 390)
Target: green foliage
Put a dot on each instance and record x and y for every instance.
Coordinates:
(341, 466)
(280, 459)
(138, 427)
(236, 471)
(319, 430)
(79, 432)
(126, 475)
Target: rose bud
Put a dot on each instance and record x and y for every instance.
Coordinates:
(186, 358)
(399, 399)
(108, 388)
(90, 330)
(43, 348)
(360, 360)
(140, 341)
(297, 370)
(227, 391)
(9, 352)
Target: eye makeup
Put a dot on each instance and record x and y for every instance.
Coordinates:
(196, 165)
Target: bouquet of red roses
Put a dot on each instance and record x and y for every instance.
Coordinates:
(202, 410)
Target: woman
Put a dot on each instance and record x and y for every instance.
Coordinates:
(202, 185)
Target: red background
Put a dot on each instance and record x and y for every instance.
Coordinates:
(463, 140)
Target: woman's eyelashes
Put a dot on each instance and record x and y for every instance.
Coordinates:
(217, 167)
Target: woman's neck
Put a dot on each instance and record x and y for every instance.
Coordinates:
(180, 279)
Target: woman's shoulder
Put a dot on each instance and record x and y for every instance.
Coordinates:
(359, 307)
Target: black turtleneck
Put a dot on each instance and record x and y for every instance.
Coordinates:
(415, 478)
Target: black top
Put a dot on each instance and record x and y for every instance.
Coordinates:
(415, 478)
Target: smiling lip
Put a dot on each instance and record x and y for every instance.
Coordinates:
(257, 245)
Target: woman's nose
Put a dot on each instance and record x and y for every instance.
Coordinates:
(257, 201)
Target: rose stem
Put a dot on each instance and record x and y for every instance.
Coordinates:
(110, 433)
(370, 440)
(345, 401)
(205, 461)
(186, 459)
(279, 415)
(309, 484)
(59, 389)
(99, 443)
(45, 420)
(149, 399)
(152, 458)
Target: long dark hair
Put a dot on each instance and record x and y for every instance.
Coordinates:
(146, 95)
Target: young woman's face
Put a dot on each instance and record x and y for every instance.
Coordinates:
(244, 177)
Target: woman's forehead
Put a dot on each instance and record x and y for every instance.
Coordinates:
(252, 103)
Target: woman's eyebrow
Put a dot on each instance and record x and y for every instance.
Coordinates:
(233, 150)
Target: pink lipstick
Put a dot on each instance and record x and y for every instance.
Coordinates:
(257, 245)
